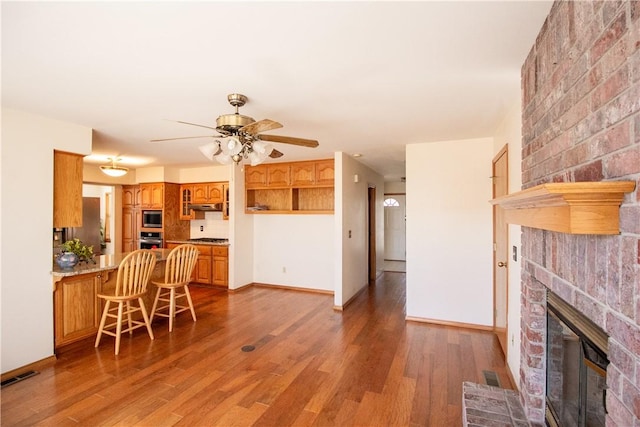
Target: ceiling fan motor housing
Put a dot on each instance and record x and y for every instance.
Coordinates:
(230, 123)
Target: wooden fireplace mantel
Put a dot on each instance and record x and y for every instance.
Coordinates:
(568, 207)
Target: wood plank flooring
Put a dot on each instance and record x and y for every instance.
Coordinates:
(312, 366)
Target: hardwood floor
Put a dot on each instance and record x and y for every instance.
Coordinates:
(312, 366)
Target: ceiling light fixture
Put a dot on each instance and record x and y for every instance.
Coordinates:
(113, 170)
(235, 149)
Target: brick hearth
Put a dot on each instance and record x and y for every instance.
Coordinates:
(581, 122)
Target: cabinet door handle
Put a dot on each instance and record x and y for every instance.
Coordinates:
(502, 264)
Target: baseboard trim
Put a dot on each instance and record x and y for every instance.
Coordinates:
(35, 366)
(292, 288)
(350, 300)
(450, 323)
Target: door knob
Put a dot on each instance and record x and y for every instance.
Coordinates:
(502, 264)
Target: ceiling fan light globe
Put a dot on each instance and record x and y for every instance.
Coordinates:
(209, 150)
(262, 147)
(256, 158)
(231, 146)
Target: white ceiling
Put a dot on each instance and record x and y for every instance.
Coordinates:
(360, 77)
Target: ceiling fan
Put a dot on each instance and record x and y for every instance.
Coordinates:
(240, 137)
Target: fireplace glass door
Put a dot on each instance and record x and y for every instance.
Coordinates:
(576, 377)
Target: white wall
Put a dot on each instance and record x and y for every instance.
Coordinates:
(294, 250)
(509, 132)
(395, 187)
(26, 224)
(449, 231)
(240, 234)
(351, 211)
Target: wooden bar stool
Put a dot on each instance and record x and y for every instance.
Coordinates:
(134, 273)
(179, 267)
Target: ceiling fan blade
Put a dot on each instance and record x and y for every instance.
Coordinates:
(275, 154)
(260, 126)
(195, 124)
(289, 140)
(184, 137)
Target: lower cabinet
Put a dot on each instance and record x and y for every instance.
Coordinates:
(77, 309)
(212, 267)
(221, 265)
(202, 272)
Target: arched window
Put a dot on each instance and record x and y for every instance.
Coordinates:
(391, 202)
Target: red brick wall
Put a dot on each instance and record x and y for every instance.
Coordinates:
(581, 122)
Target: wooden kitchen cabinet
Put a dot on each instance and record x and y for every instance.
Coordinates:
(186, 198)
(130, 195)
(313, 173)
(152, 195)
(77, 310)
(131, 222)
(210, 192)
(278, 175)
(131, 217)
(225, 201)
(202, 272)
(303, 173)
(67, 189)
(255, 176)
(221, 265)
(325, 172)
(293, 188)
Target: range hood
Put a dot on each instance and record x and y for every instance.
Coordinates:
(208, 207)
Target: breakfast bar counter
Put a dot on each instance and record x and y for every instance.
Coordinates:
(101, 263)
(76, 306)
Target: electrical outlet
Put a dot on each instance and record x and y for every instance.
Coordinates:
(284, 269)
(349, 233)
(202, 228)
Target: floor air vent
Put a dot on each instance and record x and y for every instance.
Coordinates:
(18, 378)
(491, 378)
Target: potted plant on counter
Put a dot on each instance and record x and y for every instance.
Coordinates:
(74, 251)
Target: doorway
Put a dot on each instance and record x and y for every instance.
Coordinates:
(371, 192)
(395, 232)
(500, 178)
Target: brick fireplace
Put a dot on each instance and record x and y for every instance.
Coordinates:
(581, 122)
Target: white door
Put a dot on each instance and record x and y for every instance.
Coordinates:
(395, 230)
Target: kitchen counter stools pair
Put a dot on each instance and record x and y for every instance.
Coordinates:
(134, 273)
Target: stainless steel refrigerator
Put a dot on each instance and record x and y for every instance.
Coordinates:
(90, 232)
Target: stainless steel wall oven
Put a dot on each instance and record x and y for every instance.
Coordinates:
(151, 240)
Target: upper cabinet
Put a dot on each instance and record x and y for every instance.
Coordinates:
(211, 192)
(130, 195)
(319, 173)
(255, 176)
(152, 195)
(292, 187)
(186, 198)
(67, 189)
(203, 193)
(279, 175)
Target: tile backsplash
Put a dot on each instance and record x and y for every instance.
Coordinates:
(212, 226)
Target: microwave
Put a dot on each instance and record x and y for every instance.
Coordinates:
(152, 219)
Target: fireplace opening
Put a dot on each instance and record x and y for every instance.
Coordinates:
(576, 367)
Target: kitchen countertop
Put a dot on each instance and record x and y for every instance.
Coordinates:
(102, 263)
(198, 242)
